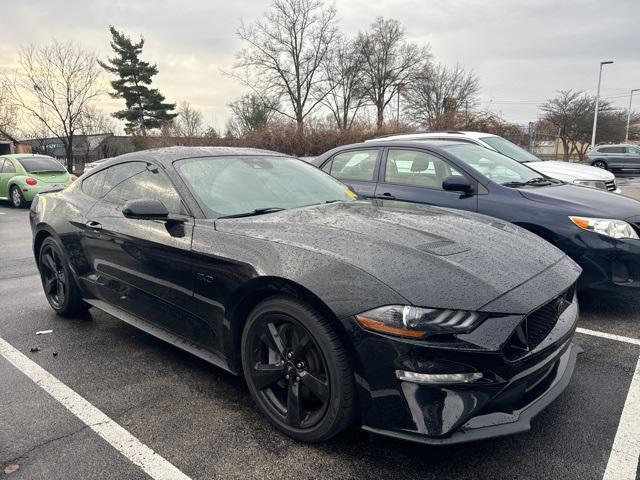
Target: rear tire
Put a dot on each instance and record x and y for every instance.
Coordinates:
(600, 164)
(17, 198)
(297, 370)
(58, 282)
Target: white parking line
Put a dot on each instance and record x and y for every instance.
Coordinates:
(144, 457)
(625, 452)
(610, 336)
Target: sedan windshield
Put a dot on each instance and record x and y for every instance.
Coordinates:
(41, 164)
(255, 185)
(511, 150)
(493, 165)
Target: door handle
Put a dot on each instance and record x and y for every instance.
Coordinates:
(386, 196)
(93, 225)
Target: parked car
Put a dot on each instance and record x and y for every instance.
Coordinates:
(575, 173)
(614, 157)
(598, 229)
(22, 176)
(431, 324)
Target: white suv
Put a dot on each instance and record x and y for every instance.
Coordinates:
(568, 172)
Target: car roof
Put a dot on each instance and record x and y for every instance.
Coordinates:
(616, 145)
(436, 145)
(17, 156)
(427, 135)
(167, 155)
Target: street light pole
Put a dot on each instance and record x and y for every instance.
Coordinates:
(626, 136)
(595, 115)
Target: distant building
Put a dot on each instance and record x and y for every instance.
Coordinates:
(89, 148)
(86, 148)
(9, 144)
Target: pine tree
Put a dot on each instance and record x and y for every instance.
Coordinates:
(146, 108)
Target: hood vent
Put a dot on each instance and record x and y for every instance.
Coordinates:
(442, 247)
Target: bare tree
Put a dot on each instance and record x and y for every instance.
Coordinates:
(189, 121)
(53, 86)
(438, 89)
(389, 62)
(8, 112)
(343, 71)
(284, 54)
(250, 114)
(94, 121)
(571, 112)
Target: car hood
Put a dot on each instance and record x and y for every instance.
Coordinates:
(571, 171)
(431, 256)
(577, 200)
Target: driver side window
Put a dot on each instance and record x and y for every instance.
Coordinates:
(149, 183)
(416, 169)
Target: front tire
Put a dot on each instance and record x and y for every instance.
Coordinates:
(297, 370)
(17, 198)
(600, 164)
(57, 280)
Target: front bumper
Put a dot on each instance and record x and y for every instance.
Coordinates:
(512, 391)
(608, 264)
(498, 424)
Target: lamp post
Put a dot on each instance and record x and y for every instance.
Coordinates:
(626, 136)
(595, 115)
(399, 85)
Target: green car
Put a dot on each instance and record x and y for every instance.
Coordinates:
(22, 176)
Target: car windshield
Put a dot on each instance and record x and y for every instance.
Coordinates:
(228, 186)
(41, 164)
(511, 150)
(493, 165)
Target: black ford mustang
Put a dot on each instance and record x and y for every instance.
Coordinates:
(418, 322)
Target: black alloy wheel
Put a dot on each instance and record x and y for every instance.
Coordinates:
(59, 286)
(600, 164)
(297, 370)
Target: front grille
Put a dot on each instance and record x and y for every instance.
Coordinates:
(537, 325)
(611, 185)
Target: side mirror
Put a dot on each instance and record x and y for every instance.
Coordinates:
(145, 209)
(457, 183)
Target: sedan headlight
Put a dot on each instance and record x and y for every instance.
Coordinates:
(606, 226)
(417, 322)
(592, 183)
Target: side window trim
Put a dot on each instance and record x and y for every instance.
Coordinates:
(376, 168)
(156, 170)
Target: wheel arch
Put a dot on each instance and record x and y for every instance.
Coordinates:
(43, 232)
(247, 297)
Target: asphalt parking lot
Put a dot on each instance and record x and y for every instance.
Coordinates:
(200, 422)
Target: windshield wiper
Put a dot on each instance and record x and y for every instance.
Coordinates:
(257, 211)
(541, 181)
(538, 181)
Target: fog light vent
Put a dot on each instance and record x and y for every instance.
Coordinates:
(437, 378)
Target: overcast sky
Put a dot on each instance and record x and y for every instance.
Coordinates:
(523, 51)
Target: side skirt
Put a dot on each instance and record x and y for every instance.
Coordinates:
(160, 333)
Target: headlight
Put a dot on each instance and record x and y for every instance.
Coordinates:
(605, 226)
(592, 183)
(416, 322)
